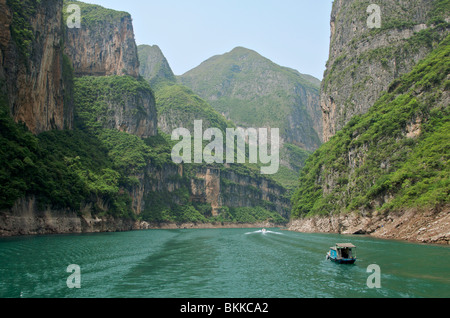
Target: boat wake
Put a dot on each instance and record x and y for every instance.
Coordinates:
(263, 232)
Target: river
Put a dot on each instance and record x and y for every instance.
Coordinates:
(217, 263)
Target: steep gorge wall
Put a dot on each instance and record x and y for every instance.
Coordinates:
(32, 63)
(104, 61)
(363, 62)
(104, 45)
(384, 169)
(209, 185)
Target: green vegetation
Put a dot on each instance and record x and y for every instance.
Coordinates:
(178, 107)
(92, 14)
(250, 89)
(154, 66)
(63, 169)
(94, 95)
(372, 164)
(21, 29)
(441, 10)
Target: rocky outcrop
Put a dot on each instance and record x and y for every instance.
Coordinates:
(31, 64)
(363, 62)
(239, 190)
(429, 226)
(104, 45)
(209, 185)
(105, 61)
(25, 218)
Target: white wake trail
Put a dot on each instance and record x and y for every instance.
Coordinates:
(263, 232)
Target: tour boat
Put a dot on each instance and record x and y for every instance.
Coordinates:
(342, 253)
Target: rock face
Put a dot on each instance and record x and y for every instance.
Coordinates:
(383, 90)
(216, 187)
(432, 227)
(363, 61)
(31, 64)
(104, 45)
(25, 218)
(105, 61)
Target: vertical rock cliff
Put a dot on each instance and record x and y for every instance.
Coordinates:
(385, 167)
(105, 61)
(113, 170)
(104, 45)
(32, 64)
(364, 61)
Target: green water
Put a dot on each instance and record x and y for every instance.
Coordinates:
(221, 263)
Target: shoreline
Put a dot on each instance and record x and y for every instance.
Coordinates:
(412, 225)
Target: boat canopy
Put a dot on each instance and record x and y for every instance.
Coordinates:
(345, 245)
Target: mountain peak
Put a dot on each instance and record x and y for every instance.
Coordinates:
(253, 91)
(154, 67)
(241, 49)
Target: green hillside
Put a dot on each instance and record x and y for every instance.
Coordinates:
(252, 91)
(154, 67)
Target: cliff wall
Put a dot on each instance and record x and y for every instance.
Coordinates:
(363, 61)
(32, 64)
(101, 177)
(104, 45)
(384, 169)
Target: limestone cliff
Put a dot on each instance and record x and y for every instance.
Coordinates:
(105, 63)
(386, 172)
(32, 64)
(104, 45)
(364, 61)
(113, 170)
(211, 187)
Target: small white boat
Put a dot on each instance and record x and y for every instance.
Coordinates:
(344, 253)
(264, 231)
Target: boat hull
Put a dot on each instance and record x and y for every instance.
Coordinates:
(344, 261)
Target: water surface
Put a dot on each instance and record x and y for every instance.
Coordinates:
(217, 263)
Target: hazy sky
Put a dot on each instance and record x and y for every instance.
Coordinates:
(292, 33)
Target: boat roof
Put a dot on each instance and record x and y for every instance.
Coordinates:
(345, 245)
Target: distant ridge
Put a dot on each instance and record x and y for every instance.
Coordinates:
(252, 91)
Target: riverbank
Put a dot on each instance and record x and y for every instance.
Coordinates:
(25, 219)
(429, 227)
